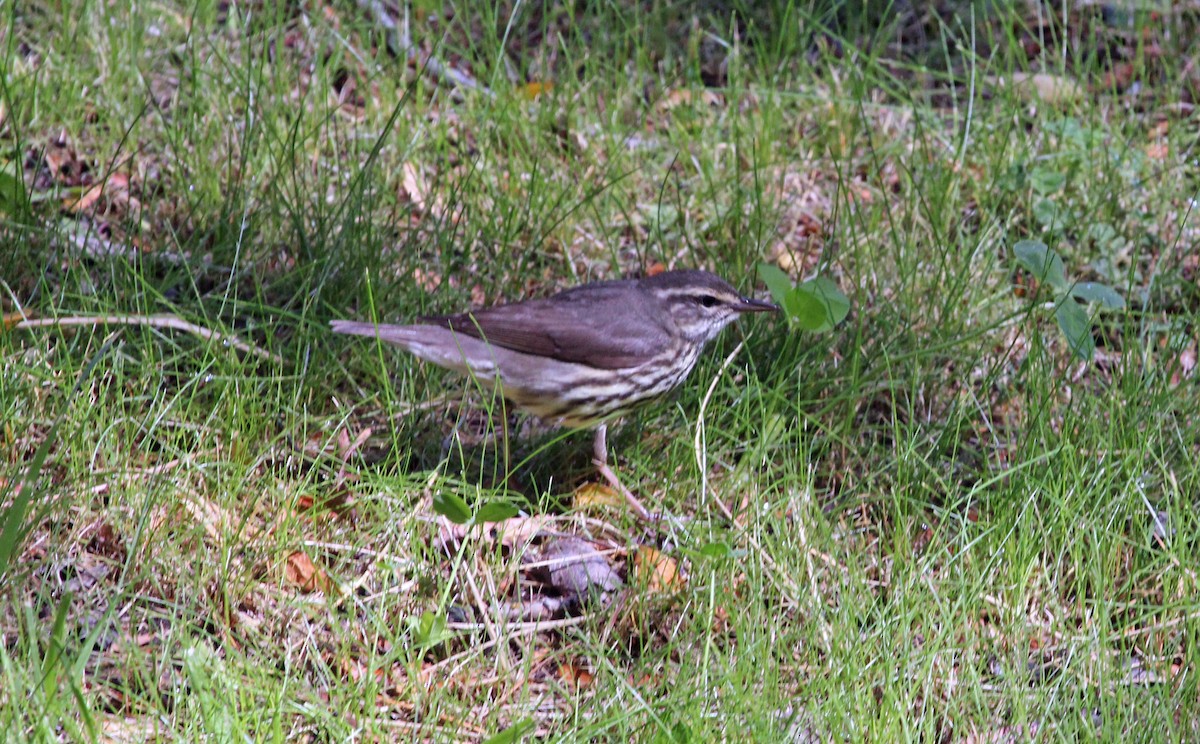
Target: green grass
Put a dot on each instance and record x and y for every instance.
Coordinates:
(943, 525)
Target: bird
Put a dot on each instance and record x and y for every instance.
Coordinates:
(584, 356)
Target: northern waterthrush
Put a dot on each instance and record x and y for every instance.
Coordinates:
(585, 355)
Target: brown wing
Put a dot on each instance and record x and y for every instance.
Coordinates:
(606, 325)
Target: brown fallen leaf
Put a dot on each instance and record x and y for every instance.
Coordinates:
(115, 188)
(342, 446)
(427, 279)
(1119, 77)
(510, 533)
(536, 89)
(299, 571)
(107, 542)
(415, 188)
(62, 166)
(1041, 86)
(216, 520)
(538, 608)
(657, 571)
(574, 675)
(591, 495)
(675, 98)
(577, 569)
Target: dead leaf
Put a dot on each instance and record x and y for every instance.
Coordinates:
(427, 279)
(107, 542)
(574, 675)
(87, 200)
(538, 608)
(533, 90)
(318, 443)
(591, 495)
(516, 532)
(510, 533)
(414, 186)
(114, 191)
(577, 569)
(347, 448)
(299, 571)
(1041, 86)
(657, 571)
(1187, 360)
(1119, 77)
(675, 98)
(215, 519)
(62, 166)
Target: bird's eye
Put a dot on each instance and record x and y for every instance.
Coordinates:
(708, 301)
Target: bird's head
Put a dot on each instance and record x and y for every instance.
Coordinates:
(700, 303)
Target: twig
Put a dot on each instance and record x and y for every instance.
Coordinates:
(156, 321)
(488, 625)
(399, 40)
(699, 445)
(526, 628)
(699, 442)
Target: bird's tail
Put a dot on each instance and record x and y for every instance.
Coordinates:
(356, 328)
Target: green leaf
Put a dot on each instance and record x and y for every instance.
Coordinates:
(817, 305)
(806, 310)
(451, 506)
(1047, 213)
(429, 630)
(836, 303)
(1045, 181)
(197, 666)
(715, 550)
(661, 216)
(513, 733)
(778, 282)
(496, 511)
(1075, 325)
(1103, 233)
(1103, 294)
(1043, 263)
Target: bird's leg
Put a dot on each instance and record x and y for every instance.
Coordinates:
(600, 460)
(504, 435)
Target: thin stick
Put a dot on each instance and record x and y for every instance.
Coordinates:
(702, 462)
(528, 627)
(156, 321)
(700, 441)
(399, 40)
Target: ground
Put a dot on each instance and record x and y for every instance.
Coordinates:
(966, 512)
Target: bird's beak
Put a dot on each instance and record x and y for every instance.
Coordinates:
(750, 305)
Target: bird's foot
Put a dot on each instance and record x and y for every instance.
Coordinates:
(640, 511)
